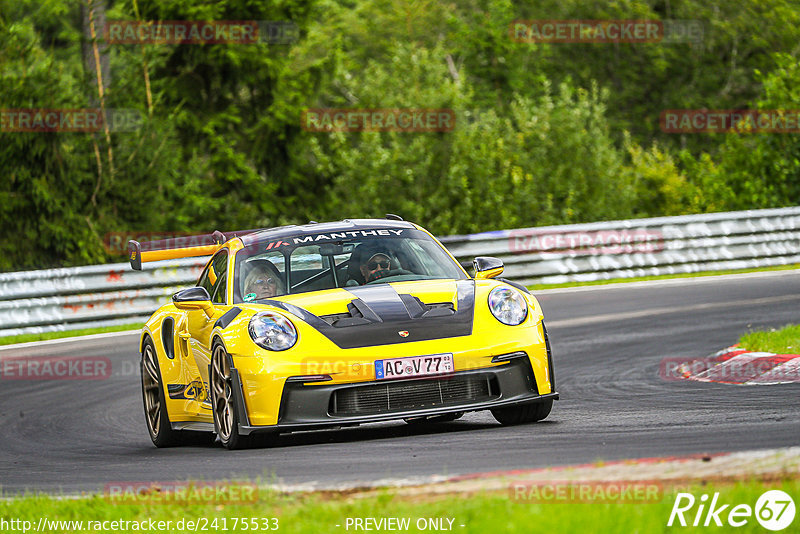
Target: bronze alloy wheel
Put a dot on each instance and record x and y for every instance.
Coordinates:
(151, 390)
(223, 405)
(222, 394)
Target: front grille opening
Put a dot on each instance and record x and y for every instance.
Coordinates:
(413, 395)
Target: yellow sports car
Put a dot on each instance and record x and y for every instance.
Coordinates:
(337, 324)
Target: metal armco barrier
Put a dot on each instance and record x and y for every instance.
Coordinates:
(88, 297)
(102, 295)
(639, 247)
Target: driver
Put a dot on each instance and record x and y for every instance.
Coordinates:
(377, 265)
(263, 281)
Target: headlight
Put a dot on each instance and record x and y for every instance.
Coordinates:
(508, 306)
(272, 331)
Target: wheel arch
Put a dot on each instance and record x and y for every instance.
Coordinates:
(146, 334)
(152, 328)
(218, 336)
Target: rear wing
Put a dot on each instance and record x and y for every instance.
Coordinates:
(154, 251)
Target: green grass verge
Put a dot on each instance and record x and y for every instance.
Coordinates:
(478, 512)
(783, 341)
(791, 267)
(25, 338)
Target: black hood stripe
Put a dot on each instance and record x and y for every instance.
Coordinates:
(383, 300)
(394, 316)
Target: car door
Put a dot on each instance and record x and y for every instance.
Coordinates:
(199, 327)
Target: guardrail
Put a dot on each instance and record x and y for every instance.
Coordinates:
(639, 247)
(104, 295)
(87, 297)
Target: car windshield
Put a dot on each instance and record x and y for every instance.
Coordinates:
(311, 262)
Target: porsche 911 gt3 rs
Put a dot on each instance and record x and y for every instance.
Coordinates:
(338, 324)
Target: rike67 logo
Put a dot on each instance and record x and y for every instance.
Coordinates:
(774, 510)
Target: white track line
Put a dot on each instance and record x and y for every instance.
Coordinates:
(68, 339)
(667, 282)
(674, 309)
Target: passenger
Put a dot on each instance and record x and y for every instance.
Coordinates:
(263, 281)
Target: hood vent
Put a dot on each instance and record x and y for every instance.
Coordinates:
(419, 310)
(359, 313)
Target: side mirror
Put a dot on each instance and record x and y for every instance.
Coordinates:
(487, 267)
(194, 298)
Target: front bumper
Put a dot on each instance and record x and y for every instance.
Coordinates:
(320, 405)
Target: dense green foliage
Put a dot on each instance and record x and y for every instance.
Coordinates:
(545, 133)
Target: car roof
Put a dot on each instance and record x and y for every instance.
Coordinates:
(321, 228)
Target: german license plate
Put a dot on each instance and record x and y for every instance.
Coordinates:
(413, 366)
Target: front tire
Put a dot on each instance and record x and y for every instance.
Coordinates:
(526, 413)
(223, 404)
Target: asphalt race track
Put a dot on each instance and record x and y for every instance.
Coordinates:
(67, 436)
